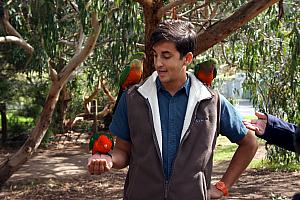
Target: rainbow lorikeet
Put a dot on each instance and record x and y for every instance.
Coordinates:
(206, 71)
(101, 143)
(131, 75)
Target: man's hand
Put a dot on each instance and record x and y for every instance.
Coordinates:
(98, 164)
(215, 193)
(257, 125)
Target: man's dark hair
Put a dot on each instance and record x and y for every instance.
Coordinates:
(180, 32)
(297, 140)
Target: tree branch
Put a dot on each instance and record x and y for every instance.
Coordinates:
(90, 98)
(107, 92)
(219, 31)
(68, 43)
(195, 8)
(170, 5)
(78, 58)
(18, 41)
(14, 34)
(81, 40)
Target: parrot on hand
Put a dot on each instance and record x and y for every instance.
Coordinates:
(206, 71)
(131, 75)
(101, 143)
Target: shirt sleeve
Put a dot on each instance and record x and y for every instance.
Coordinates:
(280, 133)
(119, 125)
(231, 124)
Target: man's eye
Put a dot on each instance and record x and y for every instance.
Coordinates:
(166, 57)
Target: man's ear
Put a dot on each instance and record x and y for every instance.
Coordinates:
(188, 57)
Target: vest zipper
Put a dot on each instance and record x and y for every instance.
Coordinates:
(166, 184)
(166, 189)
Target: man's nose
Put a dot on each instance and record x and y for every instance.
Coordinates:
(157, 61)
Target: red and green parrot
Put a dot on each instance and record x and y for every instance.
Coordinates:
(101, 143)
(206, 71)
(131, 75)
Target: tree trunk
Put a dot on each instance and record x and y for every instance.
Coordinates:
(3, 122)
(151, 22)
(64, 99)
(13, 163)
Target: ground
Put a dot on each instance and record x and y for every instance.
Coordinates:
(59, 172)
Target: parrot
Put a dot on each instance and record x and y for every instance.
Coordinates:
(131, 75)
(101, 143)
(206, 71)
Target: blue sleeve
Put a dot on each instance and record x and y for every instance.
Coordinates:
(119, 125)
(280, 133)
(231, 124)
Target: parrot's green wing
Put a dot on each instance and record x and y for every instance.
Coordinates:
(124, 75)
(94, 137)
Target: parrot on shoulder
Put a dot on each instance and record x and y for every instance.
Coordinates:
(101, 143)
(206, 71)
(131, 75)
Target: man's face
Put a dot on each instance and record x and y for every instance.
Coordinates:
(170, 67)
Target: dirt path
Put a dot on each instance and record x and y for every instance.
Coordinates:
(61, 174)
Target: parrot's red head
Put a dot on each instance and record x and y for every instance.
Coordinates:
(137, 65)
(206, 78)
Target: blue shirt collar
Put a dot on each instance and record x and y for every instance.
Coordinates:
(185, 87)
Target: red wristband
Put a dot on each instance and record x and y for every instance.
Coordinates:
(222, 187)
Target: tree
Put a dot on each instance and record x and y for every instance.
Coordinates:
(51, 21)
(10, 165)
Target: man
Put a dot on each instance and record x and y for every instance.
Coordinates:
(166, 128)
(275, 131)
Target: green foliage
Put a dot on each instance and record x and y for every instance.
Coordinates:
(224, 149)
(118, 41)
(268, 51)
(18, 124)
(271, 60)
(46, 26)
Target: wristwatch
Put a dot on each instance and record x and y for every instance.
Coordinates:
(222, 187)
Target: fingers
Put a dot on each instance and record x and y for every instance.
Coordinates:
(257, 125)
(260, 115)
(251, 127)
(98, 167)
(99, 164)
(215, 193)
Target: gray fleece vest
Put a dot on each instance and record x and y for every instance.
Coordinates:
(191, 173)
